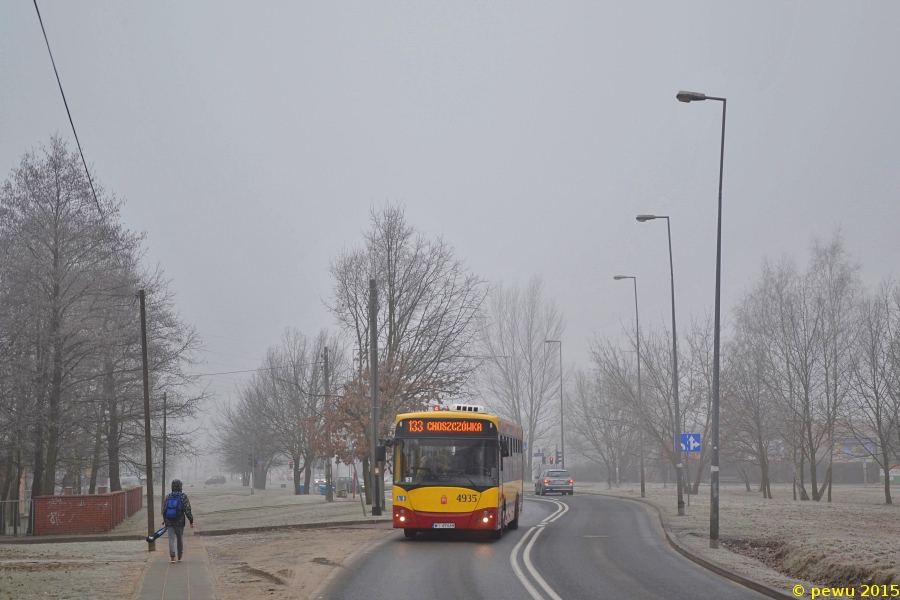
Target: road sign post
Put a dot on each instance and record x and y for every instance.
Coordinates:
(690, 442)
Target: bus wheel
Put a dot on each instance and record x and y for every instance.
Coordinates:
(514, 524)
(410, 533)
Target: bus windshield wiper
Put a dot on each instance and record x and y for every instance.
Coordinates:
(467, 478)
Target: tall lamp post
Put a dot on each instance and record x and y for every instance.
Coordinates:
(714, 462)
(676, 441)
(163, 484)
(562, 433)
(637, 323)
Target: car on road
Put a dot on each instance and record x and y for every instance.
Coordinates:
(360, 486)
(554, 480)
(217, 480)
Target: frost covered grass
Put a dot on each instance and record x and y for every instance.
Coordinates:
(232, 506)
(852, 540)
(96, 570)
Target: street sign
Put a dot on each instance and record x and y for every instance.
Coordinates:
(690, 442)
(539, 454)
(261, 461)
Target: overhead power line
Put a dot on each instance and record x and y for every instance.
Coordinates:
(75, 133)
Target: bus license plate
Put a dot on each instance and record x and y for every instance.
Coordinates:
(443, 525)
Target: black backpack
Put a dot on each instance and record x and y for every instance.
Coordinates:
(174, 507)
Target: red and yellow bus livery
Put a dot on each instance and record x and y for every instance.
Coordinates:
(457, 469)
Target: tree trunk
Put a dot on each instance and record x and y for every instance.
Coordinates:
(765, 484)
(54, 413)
(887, 474)
(297, 471)
(307, 474)
(95, 459)
(112, 436)
(811, 447)
(262, 472)
(37, 485)
(802, 483)
(367, 479)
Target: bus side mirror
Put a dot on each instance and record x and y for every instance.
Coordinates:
(380, 454)
(504, 448)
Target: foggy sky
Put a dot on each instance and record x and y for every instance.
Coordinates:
(250, 141)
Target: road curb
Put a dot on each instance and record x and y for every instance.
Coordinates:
(319, 525)
(345, 566)
(745, 581)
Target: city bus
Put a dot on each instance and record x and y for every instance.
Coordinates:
(457, 469)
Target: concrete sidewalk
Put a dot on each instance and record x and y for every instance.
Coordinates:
(190, 579)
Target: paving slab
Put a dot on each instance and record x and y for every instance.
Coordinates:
(190, 579)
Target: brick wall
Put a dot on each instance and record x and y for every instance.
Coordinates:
(96, 513)
(134, 501)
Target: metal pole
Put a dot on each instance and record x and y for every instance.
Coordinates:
(637, 322)
(329, 494)
(677, 441)
(162, 485)
(373, 380)
(151, 529)
(714, 463)
(562, 433)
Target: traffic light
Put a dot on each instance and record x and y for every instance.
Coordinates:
(558, 457)
(291, 465)
(551, 460)
(250, 460)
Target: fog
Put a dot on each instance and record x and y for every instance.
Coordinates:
(252, 140)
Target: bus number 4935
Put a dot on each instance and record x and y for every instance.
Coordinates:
(467, 498)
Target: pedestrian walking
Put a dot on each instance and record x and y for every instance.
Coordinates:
(176, 509)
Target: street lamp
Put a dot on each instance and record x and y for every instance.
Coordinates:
(637, 323)
(714, 462)
(165, 435)
(676, 441)
(562, 435)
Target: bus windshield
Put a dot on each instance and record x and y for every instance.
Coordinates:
(461, 462)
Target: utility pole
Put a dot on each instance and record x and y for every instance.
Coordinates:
(151, 528)
(329, 493)
(561, 460)
(373, 381)
(163, 484)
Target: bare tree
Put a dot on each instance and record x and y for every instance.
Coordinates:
(605, 428)
(837, 287)
(428, 302)
(870, 414)
(749, 412)
(520, 376)
(69, 328)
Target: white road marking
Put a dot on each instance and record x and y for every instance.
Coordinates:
(515, 565)
(534, 572)
(555, 516)
(561, 509)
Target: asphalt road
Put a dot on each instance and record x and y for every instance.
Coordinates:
(567, 547)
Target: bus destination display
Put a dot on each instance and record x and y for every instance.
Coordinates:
(445, 426)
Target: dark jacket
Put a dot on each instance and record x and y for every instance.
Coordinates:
(179, 522)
